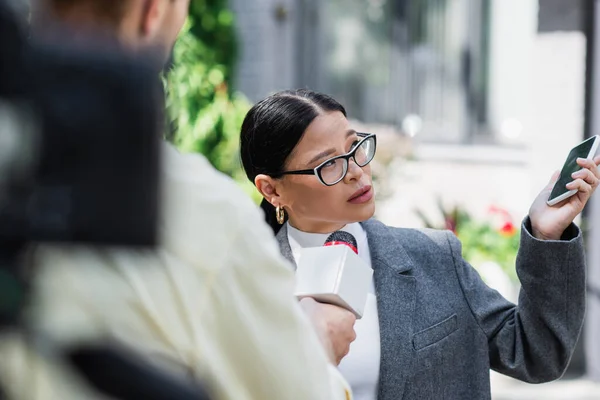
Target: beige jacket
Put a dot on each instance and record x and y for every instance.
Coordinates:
(214, 304)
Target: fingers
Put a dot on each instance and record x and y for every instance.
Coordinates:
(580, 185)
(346, 347)
(308, 304)
(592, 165)
(588, 176)
(352, 337)
(349, 318)
(309, 301)
(590, 173)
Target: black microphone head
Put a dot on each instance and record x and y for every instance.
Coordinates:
(344, 238)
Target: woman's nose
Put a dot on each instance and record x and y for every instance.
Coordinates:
(354, 172)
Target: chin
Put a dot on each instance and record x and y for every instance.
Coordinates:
(366, 212)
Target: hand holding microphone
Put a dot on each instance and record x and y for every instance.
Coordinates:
(333, 284)
(335, 274)
(334, 326)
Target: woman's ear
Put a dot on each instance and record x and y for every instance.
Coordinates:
(268, 186)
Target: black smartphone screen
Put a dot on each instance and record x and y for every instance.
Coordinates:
(571, 166)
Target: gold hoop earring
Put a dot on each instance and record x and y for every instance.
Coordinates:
(280, 215)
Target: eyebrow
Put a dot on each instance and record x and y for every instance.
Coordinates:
(328, 152)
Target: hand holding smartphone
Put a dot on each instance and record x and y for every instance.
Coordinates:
(586, 149)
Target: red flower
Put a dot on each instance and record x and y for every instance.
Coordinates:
(508, 229)
(450, 224)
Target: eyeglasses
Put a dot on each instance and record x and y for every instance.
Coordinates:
(335, 169)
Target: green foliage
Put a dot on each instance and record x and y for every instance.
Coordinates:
(482, 242)
(211, 25)
(206, 114)
(495, 240)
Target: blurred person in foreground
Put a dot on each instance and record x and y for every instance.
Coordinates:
(432, 329)
(214, 304)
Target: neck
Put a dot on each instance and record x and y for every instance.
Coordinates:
(316, 226)
(83, 22)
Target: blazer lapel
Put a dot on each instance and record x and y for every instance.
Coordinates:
(284, 245)
(395, 287)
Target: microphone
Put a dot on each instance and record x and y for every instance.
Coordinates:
(335, 274)
(342, 238)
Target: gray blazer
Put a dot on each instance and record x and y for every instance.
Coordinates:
(442, 328)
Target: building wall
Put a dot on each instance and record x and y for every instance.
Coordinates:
(267, 44)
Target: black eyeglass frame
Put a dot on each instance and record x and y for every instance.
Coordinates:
(317, 170)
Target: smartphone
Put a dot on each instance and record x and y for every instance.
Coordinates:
(586, 149)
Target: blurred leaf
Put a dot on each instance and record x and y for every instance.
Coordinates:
(206, 114)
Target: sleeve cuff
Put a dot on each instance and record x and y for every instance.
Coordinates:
(571, 234)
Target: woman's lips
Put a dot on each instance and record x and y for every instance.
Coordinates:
(362, 195)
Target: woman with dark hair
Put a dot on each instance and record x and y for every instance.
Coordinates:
(431, 328)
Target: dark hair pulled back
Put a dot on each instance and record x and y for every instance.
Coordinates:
(272, 129)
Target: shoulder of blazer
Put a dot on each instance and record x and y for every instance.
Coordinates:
(386, 241)
(411, 238)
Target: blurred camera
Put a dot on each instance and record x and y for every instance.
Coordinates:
(80, 126)
(80, 130)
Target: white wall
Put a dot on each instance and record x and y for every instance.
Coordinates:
(513, 32)
(557, 96)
